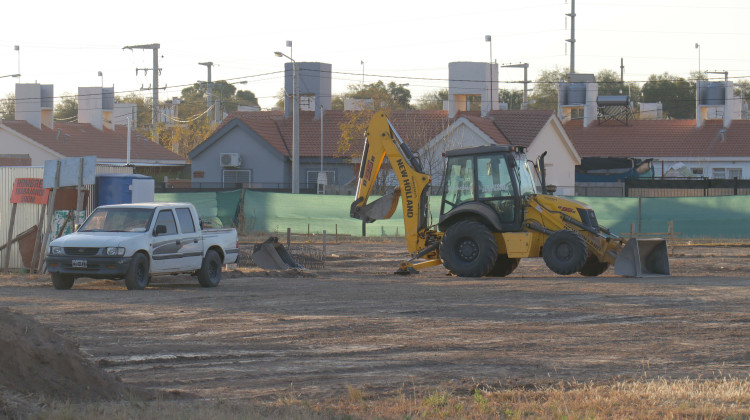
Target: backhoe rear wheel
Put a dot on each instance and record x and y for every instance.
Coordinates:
(593, 267)
(468, 249)
(503, 266)
(565, 252)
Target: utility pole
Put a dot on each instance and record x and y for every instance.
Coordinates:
(209, 64)
(572, 39)
(156, 70)
(525, 67)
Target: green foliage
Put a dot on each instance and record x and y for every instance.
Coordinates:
(676, 95)
(391, 96)
(67, 108)
(545, 88)
(514, 98)
(143, 110)
(8, 107)
(433, 100)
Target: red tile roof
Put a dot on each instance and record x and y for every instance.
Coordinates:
(75, 139)
(416, 128)
(660, 138)
(487, 126)
(520, 127)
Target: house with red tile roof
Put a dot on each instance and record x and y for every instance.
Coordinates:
(35, 133)
(258, 145)
(538, 131)
(711, 150)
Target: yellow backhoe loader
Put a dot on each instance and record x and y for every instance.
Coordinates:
(491, 215)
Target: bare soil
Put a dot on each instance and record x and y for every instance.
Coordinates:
(354, 323)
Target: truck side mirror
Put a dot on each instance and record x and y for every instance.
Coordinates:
(160, 229)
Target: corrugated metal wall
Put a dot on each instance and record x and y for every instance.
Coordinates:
(27, 215)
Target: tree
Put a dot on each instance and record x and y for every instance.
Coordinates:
(246, 97)
(67, 109)
(8, 107)
(390, 96)
(143, 110)
(545, 88)
(676, 95)
(514, 98)
(433, 100)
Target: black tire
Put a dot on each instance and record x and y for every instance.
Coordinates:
(210, 273)
(62, 281)
(593, 267)
(503, 266)
(468, 249)
(565, 252)
(137, 277)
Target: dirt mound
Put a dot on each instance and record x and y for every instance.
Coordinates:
(37, 361)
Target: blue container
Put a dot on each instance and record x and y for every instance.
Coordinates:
(115, 188)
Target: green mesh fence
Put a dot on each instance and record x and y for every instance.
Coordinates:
(706, 217)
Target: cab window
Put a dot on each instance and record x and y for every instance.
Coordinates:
(166, 218)
(186, 220)
(459, 185)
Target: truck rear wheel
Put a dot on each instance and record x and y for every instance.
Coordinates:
(137, 276)
(210, 273)
(468, 249)
(62, 281)
(503, 266)
(565, 252)
(593, 267)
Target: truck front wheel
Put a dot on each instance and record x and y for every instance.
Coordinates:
(62, 281)
(137, 276)
(210, 273)
(468, 249)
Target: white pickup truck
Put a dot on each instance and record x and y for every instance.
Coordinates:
(136, 241)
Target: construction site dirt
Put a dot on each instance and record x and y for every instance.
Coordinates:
(353, 323)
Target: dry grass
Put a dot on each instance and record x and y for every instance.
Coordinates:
(642, 399)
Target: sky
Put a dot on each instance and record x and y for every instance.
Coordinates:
(67, 43)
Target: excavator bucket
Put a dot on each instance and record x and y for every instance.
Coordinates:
(643, 258)
(272, 255)
(380, 209)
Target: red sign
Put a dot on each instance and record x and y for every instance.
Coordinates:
(29, 190)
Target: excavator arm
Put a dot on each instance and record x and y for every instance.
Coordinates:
(383, 141)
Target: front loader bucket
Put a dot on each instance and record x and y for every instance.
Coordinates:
(272, 255)
(643, 258)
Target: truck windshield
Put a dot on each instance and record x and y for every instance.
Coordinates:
(118, 220)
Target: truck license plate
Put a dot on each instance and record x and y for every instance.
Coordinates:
(79, 263)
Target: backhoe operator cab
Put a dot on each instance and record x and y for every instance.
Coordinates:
(488, 181)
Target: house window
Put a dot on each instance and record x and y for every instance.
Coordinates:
(312, 177)
(733, 173)
(697, 171)
(719, 173)
(234, 177)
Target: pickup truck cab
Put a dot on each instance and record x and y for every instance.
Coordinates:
(137, 241)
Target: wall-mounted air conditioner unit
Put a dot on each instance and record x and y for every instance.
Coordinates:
(229, 160)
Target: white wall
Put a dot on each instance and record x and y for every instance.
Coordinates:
(12, 143)
(559, 162)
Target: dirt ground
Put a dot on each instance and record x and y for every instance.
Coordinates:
(355, 324)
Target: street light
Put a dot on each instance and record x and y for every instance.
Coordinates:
(18, 48)
(698, 80)
(102, 76)
(488, 38)
(11, 75)
(295, 124)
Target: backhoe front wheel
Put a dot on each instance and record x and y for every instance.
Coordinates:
(468, 249)
(565, 252)
(593, 267)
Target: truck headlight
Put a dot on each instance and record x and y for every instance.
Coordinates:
(114, 251)
(56, 250)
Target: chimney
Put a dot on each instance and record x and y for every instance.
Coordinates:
(577, 97)
(471, 80)
(314, 87)
(35, 104)
(95, 106)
